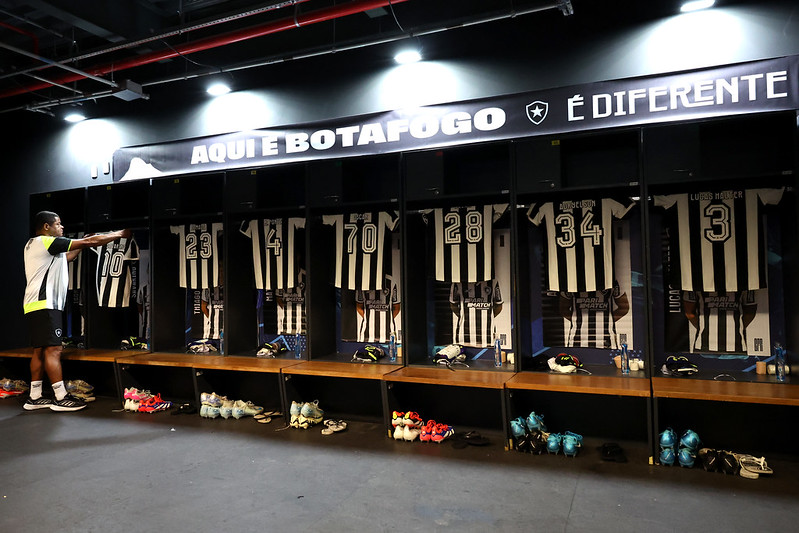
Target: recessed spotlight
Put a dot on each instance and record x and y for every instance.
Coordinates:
(696, 5)
(218, 89)
(74, 117)
(408, 56)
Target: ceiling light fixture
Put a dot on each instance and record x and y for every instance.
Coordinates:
(696, 5)
(218, 89)
(408, 56)
(74, 117)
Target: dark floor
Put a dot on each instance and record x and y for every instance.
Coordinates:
(103, 471)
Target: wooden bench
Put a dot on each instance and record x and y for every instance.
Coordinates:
(581, 383)
(207, 362)
(484, 379)
(726, 391)
(71, 354)
(335, 369)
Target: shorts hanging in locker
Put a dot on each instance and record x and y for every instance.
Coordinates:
(363, 246)
(291, 307)
(474, 306)
(579, 247)
(719, 238)
(113, 276)
(215, 305)
(199, 254)
(719, 321)
(277, 249)
(463, 248)
(376, 312)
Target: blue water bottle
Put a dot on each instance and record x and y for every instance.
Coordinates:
(497, 351)
(779, 362)
(297, 346)
(392, 348)
(625, 360)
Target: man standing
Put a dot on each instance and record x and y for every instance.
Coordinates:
(46, 258)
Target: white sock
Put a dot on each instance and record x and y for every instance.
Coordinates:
(36, 390)
(59, 390)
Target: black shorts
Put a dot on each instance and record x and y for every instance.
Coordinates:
(45, 327)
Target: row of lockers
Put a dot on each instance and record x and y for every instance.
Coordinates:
(517, 172)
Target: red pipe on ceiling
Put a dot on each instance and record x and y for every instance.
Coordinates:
(321, 15)
(26, 34)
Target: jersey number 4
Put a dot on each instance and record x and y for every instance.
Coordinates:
(568, 230)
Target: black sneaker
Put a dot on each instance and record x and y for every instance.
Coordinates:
(69, 403)
(38, 403)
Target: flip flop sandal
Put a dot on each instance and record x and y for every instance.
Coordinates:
(611, 451)
(753, 465)
(334, 426)
(472, 438)
(710, 459)
(266, 414)
(264, 420)
(728, 462)
(185, 409)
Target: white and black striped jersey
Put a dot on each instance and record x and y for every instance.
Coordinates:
(215, 306)
(377, 321)
(46, 273)
(199, 254)
(719, 323)
(363, 248)
(75, 266)
(291, 307)
(113, 278)
(463, 246)
(474, 306)
(276, 250)
(588, 320)
(719, 238)
(579, 247)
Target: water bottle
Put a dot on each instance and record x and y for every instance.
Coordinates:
(392, 348)
(779, 362)
(297, 346)
(625, 360)
(497, 351)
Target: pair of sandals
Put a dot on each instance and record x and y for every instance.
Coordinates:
(470, 438)
(745, 465)
(333, 426)
(185, 409)
(266, 416)
(611, 451)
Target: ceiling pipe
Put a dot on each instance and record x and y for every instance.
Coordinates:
(181, 30)
(357, 44)
(25, 33)
(321, 15)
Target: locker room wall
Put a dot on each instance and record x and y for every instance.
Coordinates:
(42, 156)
